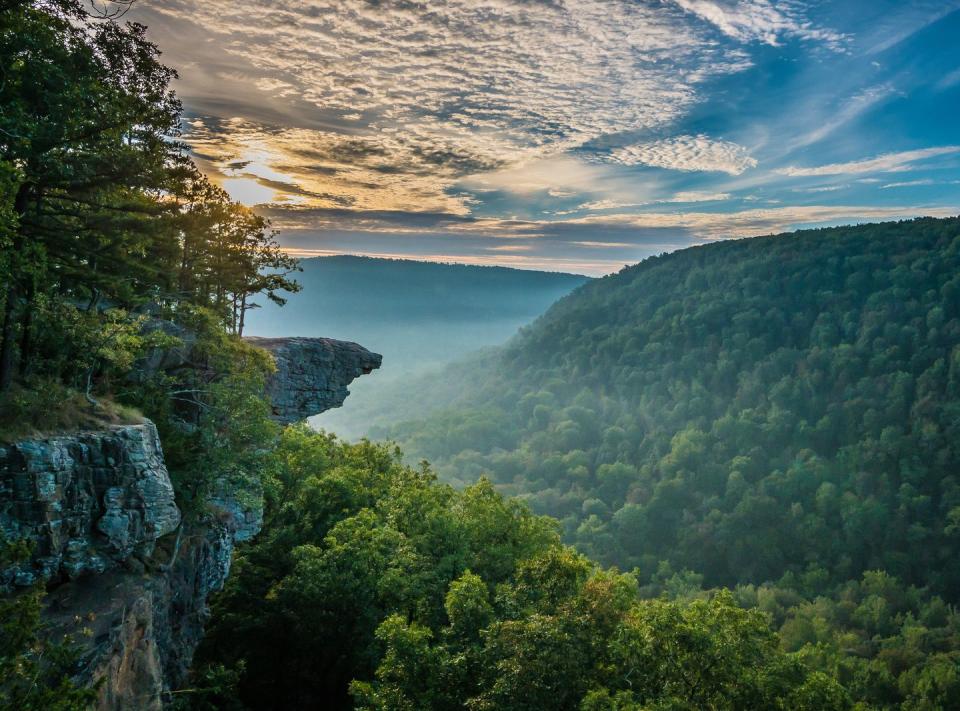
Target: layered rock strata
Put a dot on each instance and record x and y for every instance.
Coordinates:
(127, 578)
(87, 502)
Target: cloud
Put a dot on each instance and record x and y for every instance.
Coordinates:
(908, 184)
(688, 153)
(701, 225)
(757, 222)
(821, 189)
(949, 80)
(603, 245)
(595, 244)
(407, 98)
(684, 197)
(762, 21)
(595, 205)
(560, 176)
(917, 183)
(904, 20)
(886, 163)
(697, 196)
(850, 110)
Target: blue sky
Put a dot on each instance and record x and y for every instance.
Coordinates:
(575, 135)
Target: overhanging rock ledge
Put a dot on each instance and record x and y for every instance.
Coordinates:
(312, 374)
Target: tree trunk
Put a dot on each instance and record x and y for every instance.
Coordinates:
(7, 337)
(8, 353)
(243, 313)
(26, 328)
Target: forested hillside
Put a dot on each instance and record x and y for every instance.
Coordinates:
(742, 409)
(375, 587)
(762, 431)
(782, 409)
(762, 434)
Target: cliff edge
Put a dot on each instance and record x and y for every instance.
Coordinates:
(312, 374)
(127, 575)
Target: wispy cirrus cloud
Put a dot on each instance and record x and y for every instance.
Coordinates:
(459, 87)
(762, 21)
(701, 225)
(594, 244)
(756, 222)
(690, 196)
(908, 184)
(441, 127)
(886, 163)
(402, 100)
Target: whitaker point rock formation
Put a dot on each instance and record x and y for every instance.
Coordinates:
(312, 374)
(120, 565)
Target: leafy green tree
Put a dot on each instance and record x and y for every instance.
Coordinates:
(373, 585)
(35, 670)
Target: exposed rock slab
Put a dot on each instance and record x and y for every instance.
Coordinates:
(102, 502)
(313, 374)
(137, 629)
(88, 501)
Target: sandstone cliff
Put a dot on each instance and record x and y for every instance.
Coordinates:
(313, 374)
(89, 502)
(127, 577)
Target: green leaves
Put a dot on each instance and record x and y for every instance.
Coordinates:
(35, 670)
(372, 578)
(100, 207)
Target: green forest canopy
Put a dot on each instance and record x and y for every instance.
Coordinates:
(747, 409)
(760, 431)
(374, 586)
(778, 416)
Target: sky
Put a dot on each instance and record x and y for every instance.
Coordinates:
(567, 135)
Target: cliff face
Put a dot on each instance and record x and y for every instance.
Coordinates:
(127, 577)
(89, 502)
(140, 627)
(313, 374)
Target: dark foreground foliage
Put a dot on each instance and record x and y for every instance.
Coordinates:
(373, 578)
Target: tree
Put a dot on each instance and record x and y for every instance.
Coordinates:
(35, 671)
(87, 120)
(228, 254)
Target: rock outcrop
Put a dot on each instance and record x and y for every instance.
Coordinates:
(313, 374)
(127, 578)
(138, 630)
(88, 502)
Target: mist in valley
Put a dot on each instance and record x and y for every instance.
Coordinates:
(420, 316)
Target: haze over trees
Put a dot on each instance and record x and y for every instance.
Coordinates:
(802, 388)
(418, 315)
(762, 433)
(777, 412)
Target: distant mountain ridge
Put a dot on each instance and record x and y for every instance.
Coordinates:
(419, 315)
(414, 313)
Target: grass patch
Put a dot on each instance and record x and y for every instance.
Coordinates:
(44, 408)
